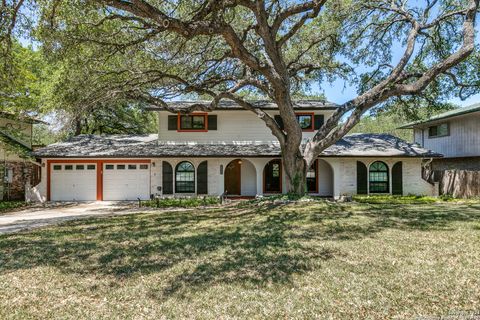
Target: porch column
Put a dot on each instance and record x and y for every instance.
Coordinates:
(259, 164)
(337, 178)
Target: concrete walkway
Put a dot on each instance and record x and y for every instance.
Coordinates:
(53, 213)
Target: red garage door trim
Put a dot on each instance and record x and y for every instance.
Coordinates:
(99, 164)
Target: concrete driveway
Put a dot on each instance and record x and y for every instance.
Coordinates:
(53, 213)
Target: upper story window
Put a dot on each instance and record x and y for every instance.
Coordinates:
(305, 120)
(308, 121)
(440, 130)
(194, 122)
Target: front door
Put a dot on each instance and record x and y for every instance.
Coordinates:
(233, 173)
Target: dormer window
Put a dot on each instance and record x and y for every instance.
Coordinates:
(440, 130)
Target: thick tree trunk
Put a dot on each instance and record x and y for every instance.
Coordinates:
(295, 173)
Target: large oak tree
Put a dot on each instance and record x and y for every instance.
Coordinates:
(155, 50)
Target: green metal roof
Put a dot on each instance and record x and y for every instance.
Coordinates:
(445, 115)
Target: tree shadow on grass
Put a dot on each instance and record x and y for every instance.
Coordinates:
(257, 244)
(436, 216)
(253, 246)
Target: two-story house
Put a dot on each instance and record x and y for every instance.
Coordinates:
(16, 169)
(455, 134)
(228, 150)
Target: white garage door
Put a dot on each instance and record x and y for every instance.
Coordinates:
(128, 181)
(73, 182)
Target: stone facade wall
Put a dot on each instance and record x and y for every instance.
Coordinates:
(468, 163)
(23, 173)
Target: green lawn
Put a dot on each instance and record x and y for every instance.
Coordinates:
(252, 261)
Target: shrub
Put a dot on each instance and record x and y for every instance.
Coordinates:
(10, 205)
(181, 202)
(394, 199)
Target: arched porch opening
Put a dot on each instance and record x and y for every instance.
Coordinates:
(272, 177)
(240, 178)
(325, 178)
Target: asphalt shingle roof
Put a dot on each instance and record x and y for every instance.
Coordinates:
(263, 104)
(141, 146)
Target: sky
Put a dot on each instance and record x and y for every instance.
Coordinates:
(340, 91)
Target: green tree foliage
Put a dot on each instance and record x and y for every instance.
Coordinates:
(21, 85)
(121, 118)
(43, 135)
(388, 119)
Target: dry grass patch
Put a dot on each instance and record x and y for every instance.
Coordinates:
(300, 260)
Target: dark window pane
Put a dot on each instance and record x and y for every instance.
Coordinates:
(80, 167)
(312, 178)
(189, 122)
(198, 122)
(272, 175)
(143, 166)
(68, 167)
(109, 166)
(132, 167)
(91, 167)
(443, 129)
(305, 121)
(185, 122)
(438, 130)
(57, 167)
(185, 178)
(120, 167)
(378, 177)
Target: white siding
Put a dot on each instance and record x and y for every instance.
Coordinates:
(463, 141)
(418, 136)
(232, 127)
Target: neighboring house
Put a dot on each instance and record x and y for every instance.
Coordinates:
(228, 150)
(17, 170)
(455, 134)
